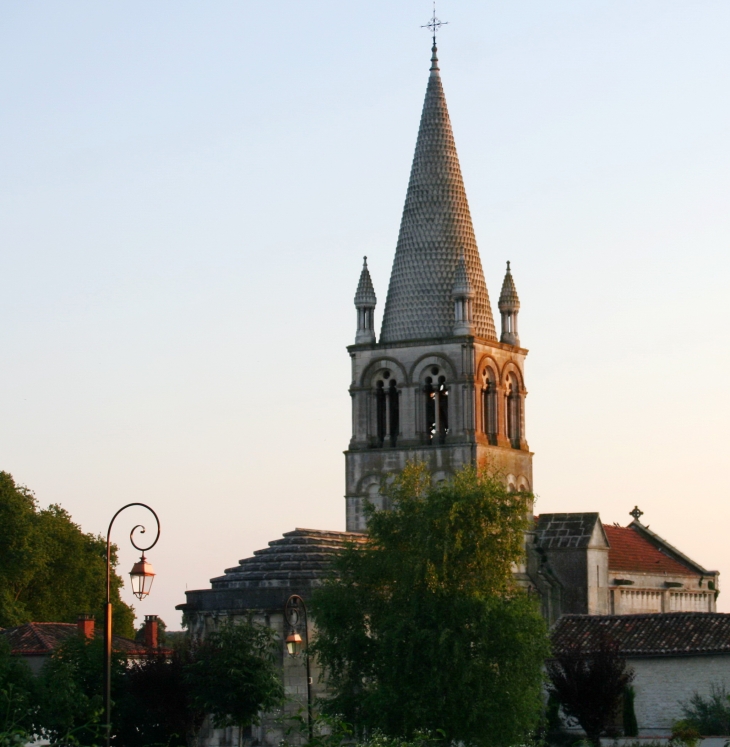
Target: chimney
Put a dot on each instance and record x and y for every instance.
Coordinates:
(150, 631)
(85, 625)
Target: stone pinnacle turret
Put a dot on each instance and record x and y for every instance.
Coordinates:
(365, 301)
(509, 307)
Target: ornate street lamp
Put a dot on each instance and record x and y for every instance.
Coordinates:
(141, 577)
(295, 614)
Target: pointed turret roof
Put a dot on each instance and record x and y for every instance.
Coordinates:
(436, 226)
(508, 298)
(365, 294)
(462, 287)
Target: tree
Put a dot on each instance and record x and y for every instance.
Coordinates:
(50, 570)
(233, 675)
(17, 695)
(709, 715)
(70, 687)
(590, 684)
(423, 629)
(157, 706)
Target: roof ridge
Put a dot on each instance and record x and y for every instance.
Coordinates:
(42, 637)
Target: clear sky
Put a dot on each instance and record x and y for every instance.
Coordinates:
(188, 189)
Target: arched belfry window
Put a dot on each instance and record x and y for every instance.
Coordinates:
(490, 422)
(387, 410)
(513, 411)
(436, 395)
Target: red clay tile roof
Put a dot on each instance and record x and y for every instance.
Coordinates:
(659, 634)
(39, 639)
(632, 553)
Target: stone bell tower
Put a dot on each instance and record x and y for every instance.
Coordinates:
(438, 386)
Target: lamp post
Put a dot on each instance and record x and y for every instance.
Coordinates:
(295, 614)
(141, 576)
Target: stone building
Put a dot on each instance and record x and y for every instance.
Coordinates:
(618, 570)
(439, 385)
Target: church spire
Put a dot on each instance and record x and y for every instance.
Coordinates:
(509, 307)
(435, 228)
(365, 304)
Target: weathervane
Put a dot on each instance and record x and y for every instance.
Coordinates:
(434, 24)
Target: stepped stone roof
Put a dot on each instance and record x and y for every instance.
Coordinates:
(435, 228)
(508, 298)
(658, 634)
(365, 294)
(564, 530)
(43, 638)
(294, 564)
(632, 553)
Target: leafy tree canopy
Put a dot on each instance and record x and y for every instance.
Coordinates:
(423, 628)
(233, 675)
(50, 570)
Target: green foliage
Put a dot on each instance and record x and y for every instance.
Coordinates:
(423, 628)
(50, 571)
(684, 735)
(631, 726)
(332, 731)
(70, 690)
(157, 706)
(17, 695)
(233, 674)
(709, 715)
(590, 685)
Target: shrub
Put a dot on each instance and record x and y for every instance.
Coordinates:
(709, 715)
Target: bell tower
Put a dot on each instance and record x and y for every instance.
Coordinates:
(438, 386)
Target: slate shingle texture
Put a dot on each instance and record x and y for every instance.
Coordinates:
(564, 530)
(365, 294)
(661, 634)
(508, 298)
(435, 228)
(303, 555)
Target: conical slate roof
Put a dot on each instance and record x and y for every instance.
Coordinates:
(365, 294)
(508, 298)
(304, 556)
(435, 227)
(462, 287)
(296, 563)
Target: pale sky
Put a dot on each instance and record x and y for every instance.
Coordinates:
(188, 189)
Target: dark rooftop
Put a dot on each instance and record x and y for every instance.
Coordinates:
(660, 634)
(42, 639)
(564, 530)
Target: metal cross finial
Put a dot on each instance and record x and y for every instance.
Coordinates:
(637, 513)
(434, 24)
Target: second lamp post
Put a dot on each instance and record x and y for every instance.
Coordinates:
(295, 615)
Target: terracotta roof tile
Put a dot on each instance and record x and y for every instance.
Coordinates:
(661, 634)
(632, 553)
(42, 638)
